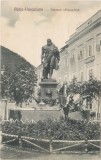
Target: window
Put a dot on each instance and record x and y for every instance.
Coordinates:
(72, 59)
(98, 47)
(90, 73)
(90, 50)
(81, 55)
(98, 43)
(80, 51)
(67, 62)
(99, 71)
(81, 76)
(63, 62)
(73, 56)
(59, 79)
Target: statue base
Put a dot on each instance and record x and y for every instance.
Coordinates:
(48, 89)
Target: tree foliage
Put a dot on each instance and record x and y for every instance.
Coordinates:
(18, 82)
(92, 87)
(73, 87)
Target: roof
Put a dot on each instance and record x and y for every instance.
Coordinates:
(84, 26)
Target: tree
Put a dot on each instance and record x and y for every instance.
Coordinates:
(19, 84)
(73, 87)
(91, 90)
(88, 90)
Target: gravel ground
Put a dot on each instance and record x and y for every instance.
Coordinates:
(16, 154)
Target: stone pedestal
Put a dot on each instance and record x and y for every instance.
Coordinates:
(48, 89)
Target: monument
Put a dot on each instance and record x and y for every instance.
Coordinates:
(50, 60)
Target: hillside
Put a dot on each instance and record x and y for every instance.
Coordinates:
(12, 60)
(19, 78)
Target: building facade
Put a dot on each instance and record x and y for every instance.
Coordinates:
(81, 55)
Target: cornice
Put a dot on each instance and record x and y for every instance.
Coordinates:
(82, 33)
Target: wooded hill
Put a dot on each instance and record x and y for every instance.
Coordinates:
(12, 60)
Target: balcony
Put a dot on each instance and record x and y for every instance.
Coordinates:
(89, 59)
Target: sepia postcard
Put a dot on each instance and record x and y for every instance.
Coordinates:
(50, 79)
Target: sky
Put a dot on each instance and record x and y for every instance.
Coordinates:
(25, 32)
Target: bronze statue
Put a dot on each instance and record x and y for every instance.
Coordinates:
(50, 58)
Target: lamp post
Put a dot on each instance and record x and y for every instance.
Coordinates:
(2, 72)
(99, 106)
(4, 100)
(5, 108)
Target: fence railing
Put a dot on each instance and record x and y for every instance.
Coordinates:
(51, 145)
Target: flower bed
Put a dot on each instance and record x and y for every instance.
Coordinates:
(54, 129)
